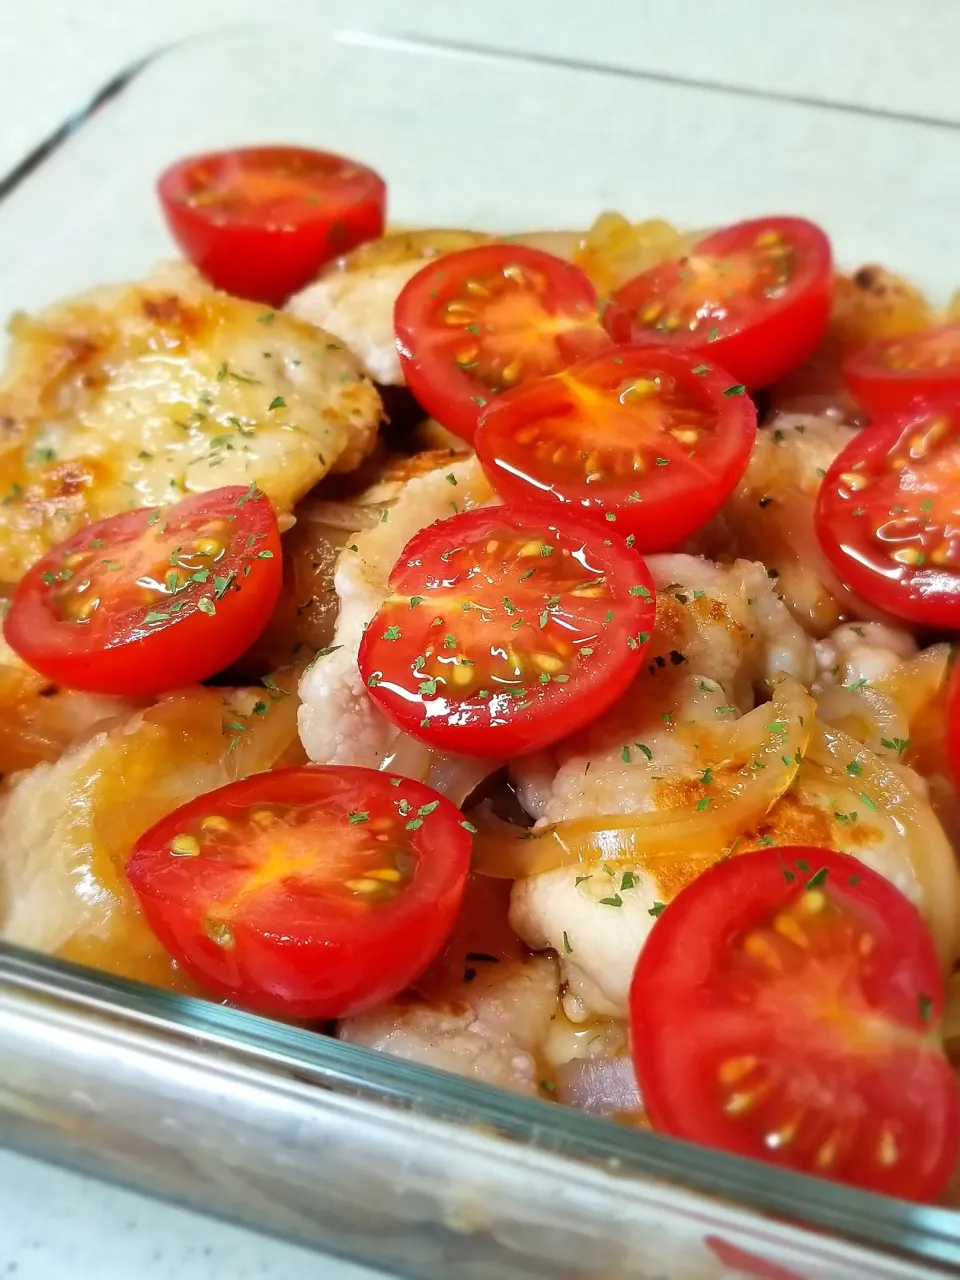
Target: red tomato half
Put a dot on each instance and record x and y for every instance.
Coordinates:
(786, 1006)
(888, 514)
(886, 376)
(151, 599)
(754, 297)
(474, 323)
(311, 892)
(507, 630)
(652, 440)
(259, 222)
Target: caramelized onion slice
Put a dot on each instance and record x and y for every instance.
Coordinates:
(915, 682)
(898, 793)
(872, 717)
(755, 764)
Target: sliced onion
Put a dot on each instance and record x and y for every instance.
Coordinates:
(915, 682)
(614, 250)
(894, 792)
(453, 776)
(346, 517)
(762, 750)
(866, 714)
(886, 709)
(603, 1086)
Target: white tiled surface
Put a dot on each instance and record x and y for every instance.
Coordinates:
(55, 53)
(56, 1225)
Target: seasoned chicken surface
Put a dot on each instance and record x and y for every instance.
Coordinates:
(357, 306)
(137, 394)
(489, 1027)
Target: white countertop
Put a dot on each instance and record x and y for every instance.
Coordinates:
(54, 54)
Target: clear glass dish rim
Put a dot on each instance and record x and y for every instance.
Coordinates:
(921, 1231)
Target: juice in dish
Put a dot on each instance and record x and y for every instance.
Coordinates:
(527, 655)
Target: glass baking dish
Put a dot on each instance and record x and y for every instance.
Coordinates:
(320, 1142)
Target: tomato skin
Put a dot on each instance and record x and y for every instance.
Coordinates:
(266, 254)
(118, 650)
(888, 376)
(673, 495)
(511, 612)
(823, 1058)
(907, 503)
(545, 291)
(290, 950)
(766, 337)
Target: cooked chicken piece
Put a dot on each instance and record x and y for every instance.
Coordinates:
(720, 631)
(484, 1009)
(66, 829)
(770, 517)
(598, 917)
(488, 1029)
(354, 299)
(137, 394)
(357, 307)
(339, 724)
(595, 925)
(860, 651)
(874, 303)
(38, 721)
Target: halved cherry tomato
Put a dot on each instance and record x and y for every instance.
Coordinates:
(311, 892)
(786, 1006)
(886, 376)
(888, 514)
(506, 630)
(472, 324)
(652, 440)
(259, 222)
(754, 297)
(151, 599)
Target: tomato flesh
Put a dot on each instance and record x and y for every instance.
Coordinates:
(754, 297)
(785, 1007)
(259, 222)
(887, 376)
(152, 599)
(472, 324)
(650, 440)
(507, 630)
(888, 514)
(311, 892)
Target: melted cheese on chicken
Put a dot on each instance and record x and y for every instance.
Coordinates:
(135, 395)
